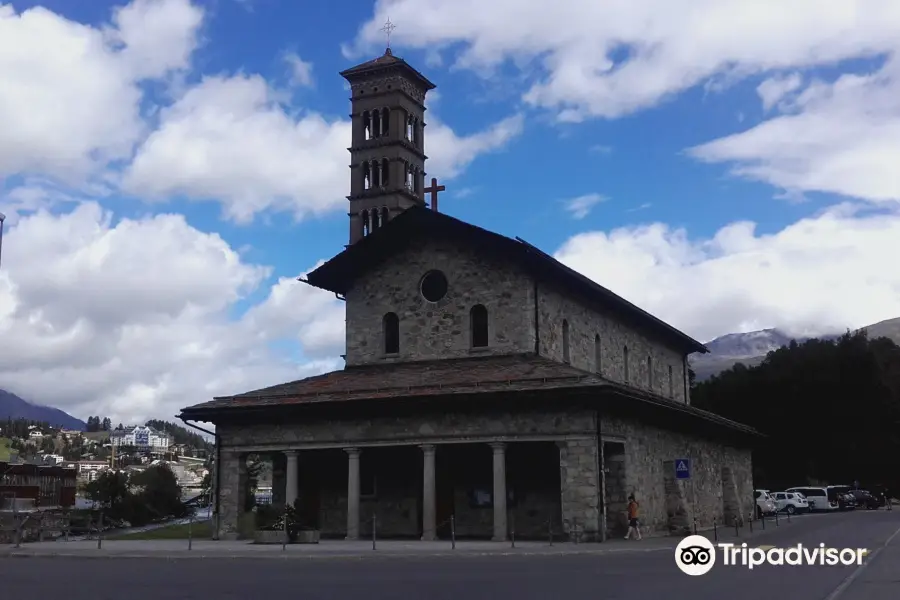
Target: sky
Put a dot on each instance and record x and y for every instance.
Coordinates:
(168, 168)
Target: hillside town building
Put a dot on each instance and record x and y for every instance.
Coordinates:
(140, 437)
(484, 380)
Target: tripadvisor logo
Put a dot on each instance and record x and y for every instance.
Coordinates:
(696, 555)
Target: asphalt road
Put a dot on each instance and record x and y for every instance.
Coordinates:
(620, 575)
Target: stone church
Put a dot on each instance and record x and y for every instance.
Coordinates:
(486, 384)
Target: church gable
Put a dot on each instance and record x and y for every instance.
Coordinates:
(439, 298)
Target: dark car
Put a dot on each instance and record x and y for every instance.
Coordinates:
(842, 496)
(866, 500)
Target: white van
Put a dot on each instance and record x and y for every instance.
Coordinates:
(817, 498)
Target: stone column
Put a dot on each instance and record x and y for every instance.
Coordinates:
(579, 488)
(233, 492)
(352, 493)
(500, 529)
(429, 509)
(279, 473)
(291, 478)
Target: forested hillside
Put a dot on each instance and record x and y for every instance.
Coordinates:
(831, 410)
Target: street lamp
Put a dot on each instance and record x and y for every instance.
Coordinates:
(2, 218)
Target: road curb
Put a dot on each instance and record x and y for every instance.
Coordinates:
(349, 555)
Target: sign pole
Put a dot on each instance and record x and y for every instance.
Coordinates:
(683, 472)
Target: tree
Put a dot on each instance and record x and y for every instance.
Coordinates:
(48, 445)
(110, 489)
(159, 491)
(841, 397)
(106, 425)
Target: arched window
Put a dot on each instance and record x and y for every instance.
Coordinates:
(597, 353)
(565, 335)
(650, 372)
(625, 362)
(478, 321)
(391, 327)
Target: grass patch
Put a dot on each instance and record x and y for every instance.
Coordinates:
(199, 530)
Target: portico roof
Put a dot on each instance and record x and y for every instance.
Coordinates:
(444, 379)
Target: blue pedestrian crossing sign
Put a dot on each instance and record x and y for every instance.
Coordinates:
(683, 468)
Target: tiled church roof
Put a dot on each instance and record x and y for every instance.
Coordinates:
(417, 378)
(442, 378)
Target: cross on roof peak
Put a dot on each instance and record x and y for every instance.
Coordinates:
(388, 29)
(433, 189)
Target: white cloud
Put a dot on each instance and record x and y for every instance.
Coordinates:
(449, 153)
(668, 46)
(69, 102)
(773, 90)
(131, 319)
(301, 70)
(589, 59)
(841, 137)
(581, 206)
(822, 274)
(233, 140)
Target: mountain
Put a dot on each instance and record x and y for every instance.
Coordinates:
(751, 348)
(17, 408)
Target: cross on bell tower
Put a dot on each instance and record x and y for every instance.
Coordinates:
(387, 152)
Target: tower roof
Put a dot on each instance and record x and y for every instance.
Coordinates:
(387, 61)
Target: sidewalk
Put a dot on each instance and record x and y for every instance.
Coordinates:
(178, 549)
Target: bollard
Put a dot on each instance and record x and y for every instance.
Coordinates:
(191, 532)
(789, 517)
(512, 533)
(452, 532)
(100, 531)
(18, 525)
(715, 531)
(763, 519)
(695, 525)
(776, 518)
(737, 527)
(575, 529)
(550, 531)
(373, 531)
(284, 537)
(751, 522)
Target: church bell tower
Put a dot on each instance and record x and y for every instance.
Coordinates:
(387, 152)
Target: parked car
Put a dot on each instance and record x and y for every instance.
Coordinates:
(866, 500)
(764, 503)
(817, 497)
(791, 502)
(842, 494)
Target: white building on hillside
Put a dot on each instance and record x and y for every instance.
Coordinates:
(141, 437)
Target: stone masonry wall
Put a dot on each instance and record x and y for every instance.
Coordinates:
(441, 329)
(232, 490)
(647, 452)
(580, 483)
(423, 428)
(585, 324)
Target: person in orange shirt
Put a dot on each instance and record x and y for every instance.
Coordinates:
(634, 525)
